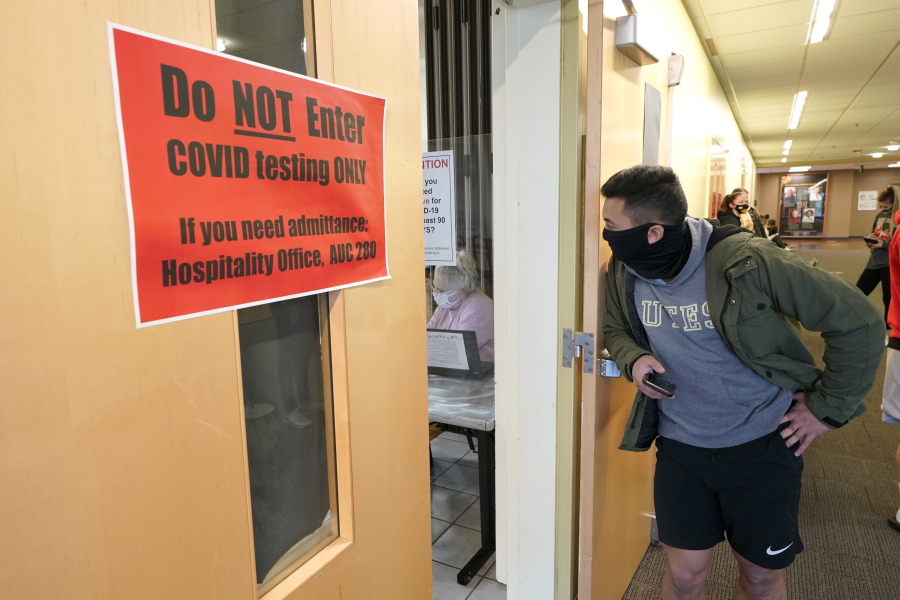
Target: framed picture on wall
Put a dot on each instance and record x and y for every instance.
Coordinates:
(803, 197)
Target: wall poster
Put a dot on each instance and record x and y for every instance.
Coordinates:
(867, 200)
(245, 184)
(439, 204)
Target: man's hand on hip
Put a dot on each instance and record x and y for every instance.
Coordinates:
(803, 425)
(641, 367)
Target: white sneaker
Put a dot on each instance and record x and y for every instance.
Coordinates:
(297, 419)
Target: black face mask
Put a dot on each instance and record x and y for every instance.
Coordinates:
(662, 260)
(742, 207)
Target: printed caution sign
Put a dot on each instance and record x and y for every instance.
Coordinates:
(245, 184)
(439, 203)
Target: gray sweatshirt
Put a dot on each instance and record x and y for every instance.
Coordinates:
(720, 401)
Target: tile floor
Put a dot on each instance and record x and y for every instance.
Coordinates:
(456, 523)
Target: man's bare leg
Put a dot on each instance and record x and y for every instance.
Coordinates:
(686, 573)
(757, 583)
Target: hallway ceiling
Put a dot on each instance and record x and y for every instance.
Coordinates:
(759, 50)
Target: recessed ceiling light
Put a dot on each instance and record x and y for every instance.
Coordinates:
(893, 148)
(797, 109)
(895, 165)
(877, 154)
(788, 144)
(821, 20)
(799, 169)
(783, 160)
(786, 152)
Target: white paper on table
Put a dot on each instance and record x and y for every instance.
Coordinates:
(447, 350)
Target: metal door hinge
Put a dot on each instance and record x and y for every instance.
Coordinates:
(577, 344)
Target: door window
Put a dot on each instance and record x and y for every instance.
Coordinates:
(284, 348)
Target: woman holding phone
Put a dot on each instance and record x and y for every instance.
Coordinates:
(877, 269)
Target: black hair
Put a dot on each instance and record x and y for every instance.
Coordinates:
(652, 193)
(887, 195)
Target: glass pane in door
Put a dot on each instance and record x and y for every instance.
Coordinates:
(284, 347)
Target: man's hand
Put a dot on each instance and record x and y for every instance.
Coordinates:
(640, 368)
(804, 426)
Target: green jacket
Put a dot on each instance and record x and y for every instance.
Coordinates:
(755, 291)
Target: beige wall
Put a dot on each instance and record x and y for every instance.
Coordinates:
(700, 109)
(122, 450)
(766, 194)
(842, 218)
(840, 204)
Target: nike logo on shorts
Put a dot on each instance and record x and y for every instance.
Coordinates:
(771, 552)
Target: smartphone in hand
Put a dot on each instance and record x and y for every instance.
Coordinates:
(658, 383)
(871, 240)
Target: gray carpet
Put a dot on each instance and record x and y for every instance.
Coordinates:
(849, 492)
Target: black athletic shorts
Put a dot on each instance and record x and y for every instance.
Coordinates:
(750, 492)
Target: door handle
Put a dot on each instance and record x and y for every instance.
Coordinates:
(606, 366)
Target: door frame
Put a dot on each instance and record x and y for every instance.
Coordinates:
(538, 71)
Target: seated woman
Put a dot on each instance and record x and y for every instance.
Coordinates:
(774, 236)
(736, 211)
(461, 305)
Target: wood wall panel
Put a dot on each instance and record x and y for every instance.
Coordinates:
(840, 205)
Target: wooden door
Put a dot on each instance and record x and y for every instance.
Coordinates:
(616, 495)
(122, 450)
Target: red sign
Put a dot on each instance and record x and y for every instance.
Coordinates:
(245, 184)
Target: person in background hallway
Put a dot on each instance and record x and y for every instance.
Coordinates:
(759, 230)
(890, 397)
(734, 211)
(701, 305)
(461, 305)
(877, 269)
(774, 236)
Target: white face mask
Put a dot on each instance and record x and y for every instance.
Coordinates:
(449, 299)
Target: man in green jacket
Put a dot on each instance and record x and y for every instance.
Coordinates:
(710, 313)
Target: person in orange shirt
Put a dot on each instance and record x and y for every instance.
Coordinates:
(890, 396)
